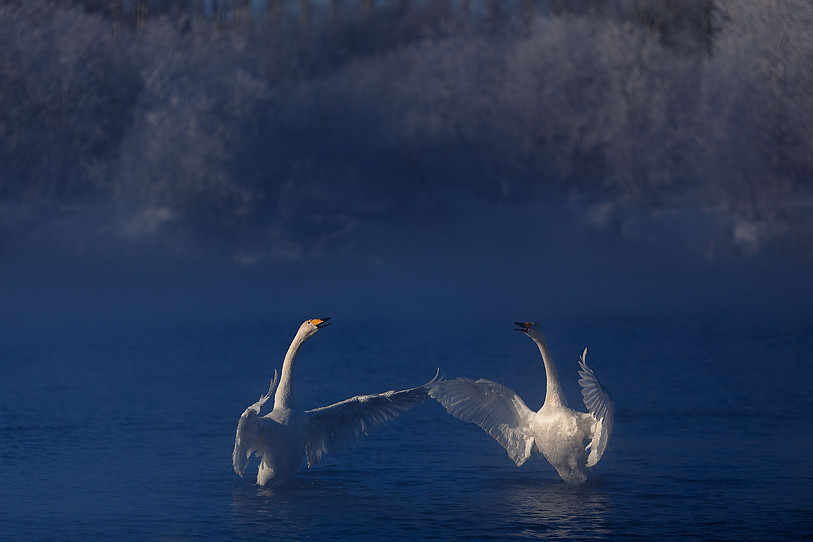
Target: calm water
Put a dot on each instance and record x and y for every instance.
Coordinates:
(122, 426)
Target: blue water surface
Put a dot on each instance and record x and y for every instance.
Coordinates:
(118, 423)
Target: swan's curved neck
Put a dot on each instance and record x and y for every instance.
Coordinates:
(284, 396)
(553, 395)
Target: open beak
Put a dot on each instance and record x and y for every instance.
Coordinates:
(322, 322)
(523, 326)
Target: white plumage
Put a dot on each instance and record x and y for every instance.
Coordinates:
(287, 434)
(571, 441)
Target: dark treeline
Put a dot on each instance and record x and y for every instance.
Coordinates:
(686, 24)
(291, 129)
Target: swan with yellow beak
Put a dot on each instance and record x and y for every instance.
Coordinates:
(288, 434)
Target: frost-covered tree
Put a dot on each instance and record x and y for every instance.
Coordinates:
(291, 129)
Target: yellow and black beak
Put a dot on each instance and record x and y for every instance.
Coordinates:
(523, 326)
(321, 322)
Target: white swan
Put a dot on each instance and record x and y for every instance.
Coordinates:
(287, 434)
(571, 441)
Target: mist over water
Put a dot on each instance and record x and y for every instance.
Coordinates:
(257, 138)
(422, 162)
(182, 185)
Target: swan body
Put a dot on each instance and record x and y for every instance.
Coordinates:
(571, 441)
(287, 434)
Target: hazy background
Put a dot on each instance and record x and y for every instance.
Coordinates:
(182, 183)
(394, 155)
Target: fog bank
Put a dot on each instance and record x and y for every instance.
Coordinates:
(405, 136)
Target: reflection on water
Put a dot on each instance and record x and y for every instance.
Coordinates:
(254, 506)
(325, 508)
(552, 508)
(472, 504)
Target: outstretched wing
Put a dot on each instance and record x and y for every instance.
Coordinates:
(498, 410)
(335, 426)
(600, 405)
(245, 439)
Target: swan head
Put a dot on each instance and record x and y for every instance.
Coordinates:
(309, 327)
(531, 329)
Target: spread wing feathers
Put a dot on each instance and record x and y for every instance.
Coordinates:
(332, 427)
(245, 439)
(598, 402)
(498, 410)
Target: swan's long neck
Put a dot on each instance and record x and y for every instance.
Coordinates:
(553, 395)
(285, 391)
